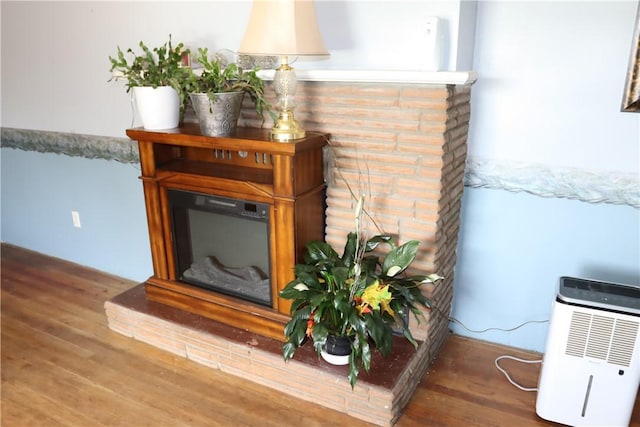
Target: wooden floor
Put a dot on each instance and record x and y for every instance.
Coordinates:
(62, 366)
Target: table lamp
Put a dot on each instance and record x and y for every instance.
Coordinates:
(283, 28)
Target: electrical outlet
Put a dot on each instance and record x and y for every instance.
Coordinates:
(76, 219)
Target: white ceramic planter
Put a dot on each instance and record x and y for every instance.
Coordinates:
(337, 350)
(158, 108)
(333, 359)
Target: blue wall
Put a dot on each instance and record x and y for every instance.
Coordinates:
(39, 191)
(514, 247)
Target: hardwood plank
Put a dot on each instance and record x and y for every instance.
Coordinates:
(22, 406)
(63, 335)
(62, 366)
(464, 388)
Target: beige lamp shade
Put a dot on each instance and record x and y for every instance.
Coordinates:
(283, 28)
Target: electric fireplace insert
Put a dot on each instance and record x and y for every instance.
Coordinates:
(228, 218)
(221, 244)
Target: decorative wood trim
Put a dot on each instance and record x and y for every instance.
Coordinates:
(121, 150)
(588, 186)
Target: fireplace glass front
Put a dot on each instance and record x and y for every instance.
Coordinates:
(222, 244)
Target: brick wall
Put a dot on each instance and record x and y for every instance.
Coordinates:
(405, 146)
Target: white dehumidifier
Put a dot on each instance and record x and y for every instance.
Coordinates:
(591, 366)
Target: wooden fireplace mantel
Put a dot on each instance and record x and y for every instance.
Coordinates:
(286, 176)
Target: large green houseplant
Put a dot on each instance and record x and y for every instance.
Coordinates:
(158, 72)
(362, 295)
(217, 89)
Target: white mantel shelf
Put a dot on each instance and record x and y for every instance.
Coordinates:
(382, 76)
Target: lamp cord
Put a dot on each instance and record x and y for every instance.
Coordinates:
(481, 331)
(454, 320)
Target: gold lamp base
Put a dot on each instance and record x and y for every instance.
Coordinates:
(286, 128)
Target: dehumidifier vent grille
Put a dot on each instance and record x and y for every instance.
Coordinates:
(601, 337)
(624, 338)
(578, 333)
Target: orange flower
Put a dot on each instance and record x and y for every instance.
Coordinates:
(310, 323)
(364, 308)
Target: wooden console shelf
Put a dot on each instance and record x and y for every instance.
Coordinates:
(288, 177)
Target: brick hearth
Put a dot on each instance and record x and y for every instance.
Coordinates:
(407, 142)
(377, 398)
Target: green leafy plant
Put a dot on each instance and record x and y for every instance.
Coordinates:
(216, 76)
(361, 294)
(160, 66)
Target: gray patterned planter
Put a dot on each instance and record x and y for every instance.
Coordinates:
(217, 117)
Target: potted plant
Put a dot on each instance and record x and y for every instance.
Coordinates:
(360, 296)
(217, 90)
(157, 78)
